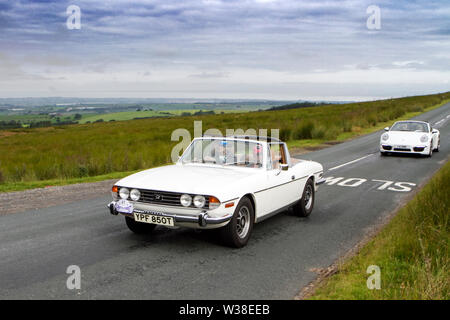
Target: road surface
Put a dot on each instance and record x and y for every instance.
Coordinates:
(38, 246)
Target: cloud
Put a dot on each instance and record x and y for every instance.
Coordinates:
(235, 42)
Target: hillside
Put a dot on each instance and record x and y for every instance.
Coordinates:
(88, 150)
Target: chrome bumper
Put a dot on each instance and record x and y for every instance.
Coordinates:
(201, 219)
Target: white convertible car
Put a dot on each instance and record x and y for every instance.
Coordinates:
(228, 183)
(410, 137)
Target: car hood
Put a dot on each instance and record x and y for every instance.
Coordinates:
(405, 138)
(194, 179)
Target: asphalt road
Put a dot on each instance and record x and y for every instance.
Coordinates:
(37, 246)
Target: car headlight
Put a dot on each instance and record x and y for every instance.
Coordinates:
(199, 201)
(124, 193)
(385, 137)
(185, 200)
(424, 138)
(135, 194)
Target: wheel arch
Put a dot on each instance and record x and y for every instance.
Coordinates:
(252, 199)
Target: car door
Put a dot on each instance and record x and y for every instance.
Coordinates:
(279, 185)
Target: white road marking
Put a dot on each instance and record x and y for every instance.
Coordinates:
(395, 186)
(350, 162)
(442, 120)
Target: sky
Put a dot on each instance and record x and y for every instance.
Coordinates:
(235, 49)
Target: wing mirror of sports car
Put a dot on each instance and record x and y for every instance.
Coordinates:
(434, 131)
(386, 129)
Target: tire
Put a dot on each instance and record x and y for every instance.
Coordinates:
(431, 150)
(139, 227)
(305, 205)
(383, 153)
(234, 234)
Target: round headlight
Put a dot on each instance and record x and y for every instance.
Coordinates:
(385, 137)
(124, 193)
(135, 194)
(199, 201)
(186, 200)
(424, 138)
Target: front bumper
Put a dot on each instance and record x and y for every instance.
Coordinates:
(201, 220)
(413, 149)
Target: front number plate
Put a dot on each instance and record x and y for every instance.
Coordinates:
(150, 218)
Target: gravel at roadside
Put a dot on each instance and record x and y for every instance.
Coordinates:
(18, 201)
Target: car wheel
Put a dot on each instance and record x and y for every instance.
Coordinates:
(237, 232)
(383, 153)
(139, 227)
(431, 149)
(304, 206)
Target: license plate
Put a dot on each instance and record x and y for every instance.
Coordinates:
(403, 147)
(151, 218)
(124, 206)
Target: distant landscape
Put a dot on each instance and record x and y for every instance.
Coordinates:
(46, 112)
(57, 153)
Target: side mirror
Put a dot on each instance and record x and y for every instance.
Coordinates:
(284, 167)
(434, 131)
(386, 129)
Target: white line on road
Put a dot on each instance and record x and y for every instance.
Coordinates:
(350, 162)
(442, 120)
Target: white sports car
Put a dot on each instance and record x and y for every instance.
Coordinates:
(228, 183)
(410, 137)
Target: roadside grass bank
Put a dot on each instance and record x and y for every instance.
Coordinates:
(62, 154)
(412, 251)
(26, 185)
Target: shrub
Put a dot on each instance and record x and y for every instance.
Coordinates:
(285, 134)
(304, 131)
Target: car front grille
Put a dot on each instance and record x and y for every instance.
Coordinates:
(165, 198)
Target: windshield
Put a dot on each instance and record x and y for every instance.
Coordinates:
(410, 126)
(225, 152)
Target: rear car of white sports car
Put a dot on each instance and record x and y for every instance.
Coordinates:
(224, 183)
(414, 137)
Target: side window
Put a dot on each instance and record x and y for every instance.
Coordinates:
(277, 155)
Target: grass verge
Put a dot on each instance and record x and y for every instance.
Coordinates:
(25, 185)
(412, 252)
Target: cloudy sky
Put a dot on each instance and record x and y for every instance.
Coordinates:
(256, 49)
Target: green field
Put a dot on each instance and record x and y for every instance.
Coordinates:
(130, 115)
(412, 252)
(89, 150)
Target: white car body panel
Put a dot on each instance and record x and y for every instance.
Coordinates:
(270, 189)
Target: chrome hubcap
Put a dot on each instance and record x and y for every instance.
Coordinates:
(308, 197)
(243, 222)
